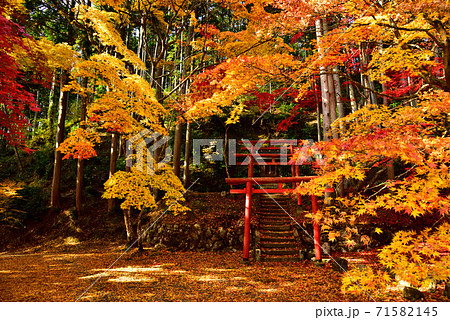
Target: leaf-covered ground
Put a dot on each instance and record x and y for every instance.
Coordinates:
(64, 274)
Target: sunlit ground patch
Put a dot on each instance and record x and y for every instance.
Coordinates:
(207, 278)
(219, 270)
(133, 278)
(71, 241)
(233, 289)
(269, 290)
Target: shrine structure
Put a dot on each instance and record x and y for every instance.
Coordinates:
(270, 153)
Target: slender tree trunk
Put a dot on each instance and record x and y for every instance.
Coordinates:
(157, 71)
(351, 93)
(141, 51)
(187, 156)
(177, 148)
(131, 233)
(316, 99)
(385, 99)
(332, 101)
(390, 170)
(56, 183)
(370, 96)
(186, 65)
(340, 107)
(139, 233)
(51, 112)
(80, 162)
(319, 118)
(157, 84)
(383, 85)
(331, 90)
(225, 151)
(324, 85)
(19, 162)
(113, 164)
(339, 100)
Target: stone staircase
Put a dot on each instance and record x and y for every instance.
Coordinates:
(277, 241)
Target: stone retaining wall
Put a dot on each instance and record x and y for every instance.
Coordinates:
(197, 237)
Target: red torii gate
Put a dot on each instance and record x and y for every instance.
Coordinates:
(250, 180)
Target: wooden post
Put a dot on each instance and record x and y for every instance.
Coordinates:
(299, 196)
(317, 247)
(248, 203)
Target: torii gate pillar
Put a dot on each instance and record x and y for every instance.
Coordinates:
(248, 209)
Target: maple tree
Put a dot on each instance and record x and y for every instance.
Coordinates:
(125, 103)
(135, 188)
(413, 138)
(15, 100)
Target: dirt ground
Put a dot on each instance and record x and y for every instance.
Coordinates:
(102, 272)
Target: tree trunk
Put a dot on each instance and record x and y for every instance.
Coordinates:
(390, 170)
(339, 100)
(331, 90)
(80, 162)
(177, 149)
(51, 111)
(19, 162)
(56, 183)
(131, 234)
(332, 101)
(186, 65)
(351, 93)
(385, 99)
(139, 233)
(369, 90)
(113, 164)
(187, 156)
(383, 85)
(340, 107)
(324, 85)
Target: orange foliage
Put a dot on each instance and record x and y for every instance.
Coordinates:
(80, 144)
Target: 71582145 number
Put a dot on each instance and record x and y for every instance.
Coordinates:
(407, 311)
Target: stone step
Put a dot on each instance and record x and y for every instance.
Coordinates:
(278, 245)
(279, 252)
(273, 202)
(280, 259)
(273, 199)
(274, 222)
(281, 219)
(275, 195)
(273, 214)
(276, 234)
(277, 240)
(274, 209)
(284, 219)
(280, 215)
(276, 227)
